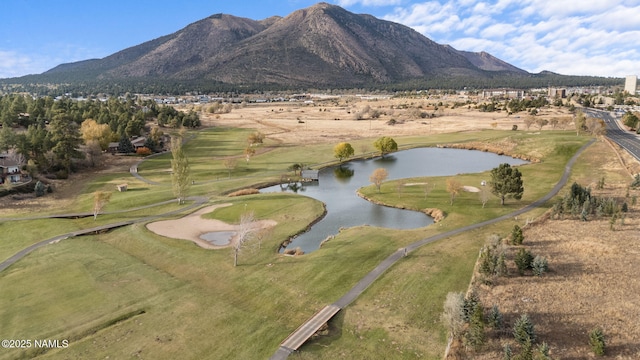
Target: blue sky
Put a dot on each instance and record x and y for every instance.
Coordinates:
(589, 37)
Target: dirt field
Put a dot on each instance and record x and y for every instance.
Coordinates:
(298, 123)
(592, 281)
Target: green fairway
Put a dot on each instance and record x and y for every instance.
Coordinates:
(131, 293)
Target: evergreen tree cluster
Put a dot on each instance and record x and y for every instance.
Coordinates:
(518, 105)
(125, 116)
(475, 324)
(493, 261)
(46, 131)
(579, 203)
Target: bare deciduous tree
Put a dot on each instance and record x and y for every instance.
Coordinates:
(255, 138)
(528, 121)
(541, 122)
(596, 126)
(245, 233)
(453, 315)
(427, 189)
(230, 164)
(248, 153)
(180, 175)
(580, 121)
(453, 188)
(484, 195)
(100, 200)
(378, 176)
(400, 186)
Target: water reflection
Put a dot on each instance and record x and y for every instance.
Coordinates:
(293, 186)
(337, 187)
(343, 173)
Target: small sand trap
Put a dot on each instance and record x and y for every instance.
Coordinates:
(193, 226)
(470, 189)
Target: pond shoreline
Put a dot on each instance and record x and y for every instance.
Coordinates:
(436, 214)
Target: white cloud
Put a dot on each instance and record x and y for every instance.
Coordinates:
(345, 3)
(498, 31)
(591, 38)
(13, 64)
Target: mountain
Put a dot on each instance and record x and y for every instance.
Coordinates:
(488, 62)
(323, 45)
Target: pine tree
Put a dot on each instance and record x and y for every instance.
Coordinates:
(474, 337)
(506, 182)
(516, 235)
(523, 260)
(523, 330)
(495, 318)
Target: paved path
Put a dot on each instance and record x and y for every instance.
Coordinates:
(286, 349)
(197, 201)
(306, 330)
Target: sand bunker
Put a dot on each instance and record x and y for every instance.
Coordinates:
(470, 189)
(193, 226)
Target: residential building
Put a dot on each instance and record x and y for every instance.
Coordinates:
(631, 84)
(9, 170)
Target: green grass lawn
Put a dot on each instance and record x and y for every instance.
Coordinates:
(131, 293)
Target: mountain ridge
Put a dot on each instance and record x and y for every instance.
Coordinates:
(322, 45)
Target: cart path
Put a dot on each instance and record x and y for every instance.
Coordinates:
(197, 201)
(288, 346)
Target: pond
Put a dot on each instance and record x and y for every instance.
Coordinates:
(218, 238)
(337, 187)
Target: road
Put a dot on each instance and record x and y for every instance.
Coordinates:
(627, 140)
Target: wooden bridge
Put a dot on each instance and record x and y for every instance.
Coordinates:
(305, 331)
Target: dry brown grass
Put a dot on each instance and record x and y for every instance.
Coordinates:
(65, 191)
(325, 122)
(244, 192)
(592, 279)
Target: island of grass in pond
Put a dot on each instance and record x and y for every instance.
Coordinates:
(337, 186)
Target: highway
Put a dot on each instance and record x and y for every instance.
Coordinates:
(627, 140)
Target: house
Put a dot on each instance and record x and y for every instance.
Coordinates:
(138, 142)
(9, 170)
(113, 147)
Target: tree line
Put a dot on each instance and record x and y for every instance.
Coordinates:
(49, 134)
(83, 84)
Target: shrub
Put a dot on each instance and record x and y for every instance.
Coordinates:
(62, 174)
(539, 265)
(636, 182)
(596, 340)
(39, 189)
(143, 151)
